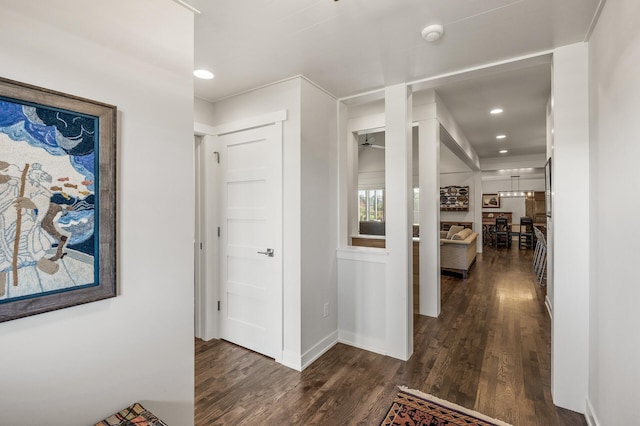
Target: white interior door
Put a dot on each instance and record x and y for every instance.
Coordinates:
(251, 239)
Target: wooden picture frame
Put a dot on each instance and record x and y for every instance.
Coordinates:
(57, 200)
(490, 201)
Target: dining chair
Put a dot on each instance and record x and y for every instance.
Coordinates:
(526, 232)
(502, 235)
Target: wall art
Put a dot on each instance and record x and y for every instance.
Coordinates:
(490, 201)
(454, 198)
(57, 200)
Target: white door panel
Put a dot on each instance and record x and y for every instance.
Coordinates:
(251, 282)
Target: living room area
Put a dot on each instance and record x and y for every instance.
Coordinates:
(503, 119)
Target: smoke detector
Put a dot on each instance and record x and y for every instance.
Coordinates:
(432, 33)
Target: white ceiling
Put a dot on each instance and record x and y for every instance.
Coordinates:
(522, 94)
(349, 47)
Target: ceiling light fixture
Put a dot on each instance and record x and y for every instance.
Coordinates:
(432, 33)
(501, 136)
(496, 111)
(515, 193)
(203, 74)
(503, 151)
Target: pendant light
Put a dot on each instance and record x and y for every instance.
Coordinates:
(514, 193)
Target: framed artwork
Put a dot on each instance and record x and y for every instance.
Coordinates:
(547, 186)
(454, 198)
(490, 201)
(57, 200)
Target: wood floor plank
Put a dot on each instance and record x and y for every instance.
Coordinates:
(489, 351)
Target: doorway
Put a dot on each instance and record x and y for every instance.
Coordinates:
(251, 238)
(239, 245)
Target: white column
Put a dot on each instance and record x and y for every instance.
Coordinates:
(477, 208)
(429, 166)
(399, 211)
(346, 173)
(570, 188)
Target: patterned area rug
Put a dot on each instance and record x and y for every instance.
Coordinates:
(414, 408)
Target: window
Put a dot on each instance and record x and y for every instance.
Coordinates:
(371, 204)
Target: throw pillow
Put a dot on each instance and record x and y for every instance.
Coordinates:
(134, 415)
(454, 230)
(462, 235)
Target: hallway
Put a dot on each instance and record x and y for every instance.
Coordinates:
(489, 351)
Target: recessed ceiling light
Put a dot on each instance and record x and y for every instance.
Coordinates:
(432, 33)
(501, 136)
(203, 74)
(496, 111)
(503, 151)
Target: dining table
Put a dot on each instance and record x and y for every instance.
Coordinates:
(488, 228)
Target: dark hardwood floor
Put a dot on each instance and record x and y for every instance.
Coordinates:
(488, 351)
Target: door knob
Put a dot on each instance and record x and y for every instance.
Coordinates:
(269, 252)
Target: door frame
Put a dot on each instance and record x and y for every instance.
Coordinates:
(197, 248)
(209, 175)
(206, 294)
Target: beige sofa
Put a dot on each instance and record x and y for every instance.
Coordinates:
(457, 255)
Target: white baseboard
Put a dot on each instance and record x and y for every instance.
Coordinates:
(299, 362)
(360, 342)
(590, 415)
(547, 303)
(291, 360)
(319, 349)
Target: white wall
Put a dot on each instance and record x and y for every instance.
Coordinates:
(81, 364)
(319, 221)
(361, 270)
(280, 96)
(309, 207)
(203, 112)
(375, 311)
(614, 350)
(454, 138)
(362, 287)
(549, 236)
(570, 180)
(365, 109)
